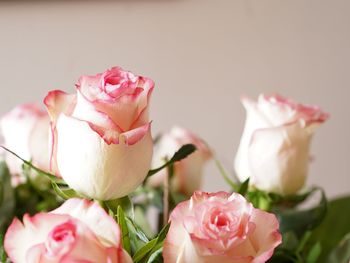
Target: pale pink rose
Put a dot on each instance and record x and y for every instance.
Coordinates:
(274, 148)
(101, 138)
(25, 131)
(188, 173)
(78, 231)
(219, 227)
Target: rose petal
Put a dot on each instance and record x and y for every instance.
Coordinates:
(57, 102)
(96, 218)
(104, 167)
(265, 239)
(273, 152)
(128, 111)
(21, 236)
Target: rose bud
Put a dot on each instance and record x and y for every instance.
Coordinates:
(25, 131)
(187, 173)
(78, 231)
(274, 148)
(101, 139)
(219, 227)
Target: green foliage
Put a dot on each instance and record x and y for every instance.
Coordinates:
(124, 229)
(35, 194)
(341, 253)
(243, 188)
(300, 221)
(7, 205)
(137, 237)
(144, 251)
(151, 252)
(124, 202)
(334, 228)
(7, 201)
(3, 256)
(314, 253)
(64, 191)
(156, 257)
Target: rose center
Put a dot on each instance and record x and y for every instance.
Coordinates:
(221, 220)
(117, 84)
(61, 237)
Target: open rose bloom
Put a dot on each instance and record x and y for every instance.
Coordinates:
(274, 148)
(220, 227)
(101, 138)
(78, 231)
(25, 131)
(188, 173)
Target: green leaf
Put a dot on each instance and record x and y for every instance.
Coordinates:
(124, 229)
(156, 257)
(3, 256)
(181, 154)
(64, 192)
(259, 199)
(243, 188)
(303, 242)
(7, 198)
(291, 200)
(39, 171)
(144, 254)
(341, 253)
(290, 241)
(282, 255)
(302, 220)
(137, 237)
(314, 253)
(143, 251)
(123, 202)
(162, 234)
(334, 227)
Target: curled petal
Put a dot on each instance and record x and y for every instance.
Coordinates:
(58, 102)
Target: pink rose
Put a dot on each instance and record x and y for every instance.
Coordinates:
(25, 130)
(220, 227)
(102, 144)
(274, 149)
(78, 231)
(188, 172)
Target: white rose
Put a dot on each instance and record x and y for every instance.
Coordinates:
(188, 173)
(274, 148)
(25, 130)
(101, 137)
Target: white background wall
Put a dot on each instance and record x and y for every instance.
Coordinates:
(203, 54)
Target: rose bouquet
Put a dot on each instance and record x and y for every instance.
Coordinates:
(85, 181)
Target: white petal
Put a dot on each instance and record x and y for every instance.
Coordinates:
(279, 157)
(98, 170)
